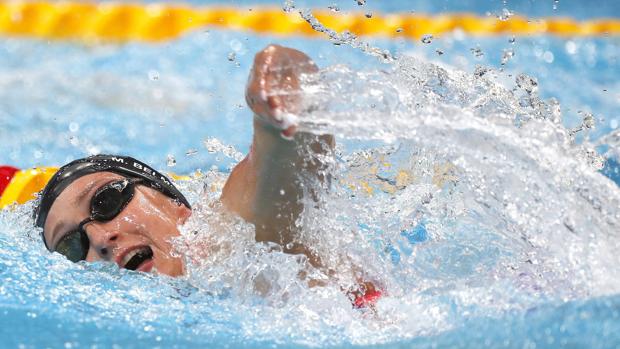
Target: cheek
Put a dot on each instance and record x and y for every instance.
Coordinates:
(152, 220)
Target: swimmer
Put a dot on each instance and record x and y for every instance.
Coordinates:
(118, 209)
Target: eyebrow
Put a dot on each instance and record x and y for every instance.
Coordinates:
(84, 193)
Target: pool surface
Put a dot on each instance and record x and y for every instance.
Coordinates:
(463, 185)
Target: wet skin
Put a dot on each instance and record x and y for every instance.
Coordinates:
(150, 219)
(253, 190)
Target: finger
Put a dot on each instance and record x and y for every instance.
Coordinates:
(275, 110)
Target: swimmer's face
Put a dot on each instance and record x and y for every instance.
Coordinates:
(138, 238)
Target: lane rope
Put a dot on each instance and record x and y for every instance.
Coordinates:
(20, 186)
(124, 22)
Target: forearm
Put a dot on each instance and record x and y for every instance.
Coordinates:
(268, 187)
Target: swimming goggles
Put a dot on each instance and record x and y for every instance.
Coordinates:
(107, 203)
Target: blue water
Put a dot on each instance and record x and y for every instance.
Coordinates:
(59, 101)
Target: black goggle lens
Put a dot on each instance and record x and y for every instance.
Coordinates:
(74, 246)
(106, 204)
(110, 200)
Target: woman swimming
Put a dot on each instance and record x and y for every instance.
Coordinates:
(118, 209)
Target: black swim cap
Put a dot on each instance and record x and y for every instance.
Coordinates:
(123, 165)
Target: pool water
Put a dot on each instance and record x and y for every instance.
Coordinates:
(462, 186)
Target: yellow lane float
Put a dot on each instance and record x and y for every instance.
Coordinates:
(123, 22)
(20, 186)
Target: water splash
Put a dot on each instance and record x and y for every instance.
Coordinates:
(468, 211)
(214, 145)
(478, 205)
(345, 37)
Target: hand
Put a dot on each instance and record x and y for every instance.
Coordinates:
(273, 91)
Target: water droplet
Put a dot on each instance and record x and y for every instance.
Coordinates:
(507, 55)
(334, 8)
(399, 30)
(481, 70)
(191, 152)
(511, 39)
(427, 38)
(527, 83)
(548, 57)
(74, 127)
(477, 52)
(282, 192)
(232, 56)
(505, 15)
(368, 15)
(289, 6)
(171, 161)
(153, 75)
(588, 120)
(361, 2)
(213, 146)
(237, 46)
(571, 47)
(555, 4)
(439, 51)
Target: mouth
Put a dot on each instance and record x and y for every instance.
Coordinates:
(140, 259)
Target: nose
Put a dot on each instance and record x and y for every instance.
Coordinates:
(102, 239)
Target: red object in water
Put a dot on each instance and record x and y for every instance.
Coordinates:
(369, 298)
(6, 174)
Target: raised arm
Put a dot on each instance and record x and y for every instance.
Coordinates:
(268, 187)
